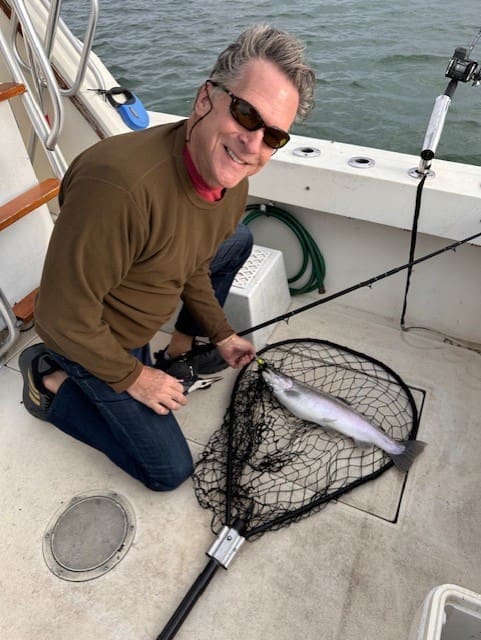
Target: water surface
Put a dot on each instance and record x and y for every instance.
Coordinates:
(379, 64)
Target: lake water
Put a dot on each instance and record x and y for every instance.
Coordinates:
(379, 64)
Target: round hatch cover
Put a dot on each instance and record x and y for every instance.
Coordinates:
(89, 536)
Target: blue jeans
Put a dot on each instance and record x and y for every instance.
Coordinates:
(148, 446)
(229, 258)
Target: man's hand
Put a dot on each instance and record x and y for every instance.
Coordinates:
(157, 390)
(236, 351)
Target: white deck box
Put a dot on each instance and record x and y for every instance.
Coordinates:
(449, 612)
(259, 293)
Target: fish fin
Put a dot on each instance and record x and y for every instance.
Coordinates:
(412, 448)
(292, 393)
(363, 445)
(329, 425)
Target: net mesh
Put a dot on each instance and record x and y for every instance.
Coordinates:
(269, 468)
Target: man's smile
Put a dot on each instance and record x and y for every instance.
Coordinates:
(233, 156)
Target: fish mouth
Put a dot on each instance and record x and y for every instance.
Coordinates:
(269, 378)
(266, 375)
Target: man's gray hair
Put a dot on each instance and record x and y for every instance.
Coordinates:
(268, 43)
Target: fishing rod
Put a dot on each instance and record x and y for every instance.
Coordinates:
(360, 285)
(461, 68)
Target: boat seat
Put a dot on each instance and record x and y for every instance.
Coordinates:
(25, 220)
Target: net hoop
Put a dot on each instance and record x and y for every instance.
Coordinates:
(259, 455)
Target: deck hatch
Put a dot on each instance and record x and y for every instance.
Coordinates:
(89, 536)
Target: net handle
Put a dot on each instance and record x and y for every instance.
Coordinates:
(189, 600)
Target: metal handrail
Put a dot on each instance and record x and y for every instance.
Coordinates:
(37, 49)
(11, 326)
(80, 48)
(53, 16)
(39, 55)
(39, 66)
(83, 48)
(35, 114)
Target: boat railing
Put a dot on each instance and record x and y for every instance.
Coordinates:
(33, 61)
(43, 84)
(83, 47)
(11, 329)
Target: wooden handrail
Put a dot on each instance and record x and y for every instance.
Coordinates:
(28, 201)
(10, 90)
(23, 310)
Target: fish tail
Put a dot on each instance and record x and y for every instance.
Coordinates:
(412, 448)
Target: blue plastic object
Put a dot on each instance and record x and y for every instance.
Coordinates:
(131, 109)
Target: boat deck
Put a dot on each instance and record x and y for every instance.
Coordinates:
(358, 569)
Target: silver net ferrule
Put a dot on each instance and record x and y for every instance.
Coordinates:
(226, 545)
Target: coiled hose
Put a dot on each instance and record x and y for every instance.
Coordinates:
(310, 251)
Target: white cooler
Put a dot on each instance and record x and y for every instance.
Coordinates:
(449, 612)
(259, 293)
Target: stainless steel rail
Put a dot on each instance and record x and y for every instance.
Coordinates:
(35, 113)
(37, 74)
(11, 327)
(83, 47)
(42, 64)
(39, 68)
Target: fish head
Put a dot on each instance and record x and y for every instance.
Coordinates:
(276, 381)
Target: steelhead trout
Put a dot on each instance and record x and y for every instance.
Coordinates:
(329, 412)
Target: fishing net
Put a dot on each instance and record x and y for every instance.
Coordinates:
(264, 468)
(268, 468)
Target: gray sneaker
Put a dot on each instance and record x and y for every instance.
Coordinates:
(35, 362)
(202, 359)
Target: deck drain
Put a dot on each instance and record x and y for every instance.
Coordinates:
(89, 536)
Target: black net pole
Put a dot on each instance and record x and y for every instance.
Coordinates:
(190, 598)
(217, 559)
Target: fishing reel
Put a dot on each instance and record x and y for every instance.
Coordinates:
(461, 68)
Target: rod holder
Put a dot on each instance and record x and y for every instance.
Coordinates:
(433, 132)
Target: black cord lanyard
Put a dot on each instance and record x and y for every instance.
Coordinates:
(412, 249)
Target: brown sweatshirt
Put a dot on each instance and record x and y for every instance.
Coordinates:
(132, 238)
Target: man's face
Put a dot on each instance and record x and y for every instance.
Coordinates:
(223, 151)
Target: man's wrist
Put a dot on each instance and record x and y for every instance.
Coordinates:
(226, 341)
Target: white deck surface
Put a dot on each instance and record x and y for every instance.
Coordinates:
(346, 573)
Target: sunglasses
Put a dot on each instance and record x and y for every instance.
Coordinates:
(248, 117)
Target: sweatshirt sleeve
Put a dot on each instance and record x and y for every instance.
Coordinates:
(94, 241)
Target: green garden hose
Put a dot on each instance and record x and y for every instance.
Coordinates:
(310, 251)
